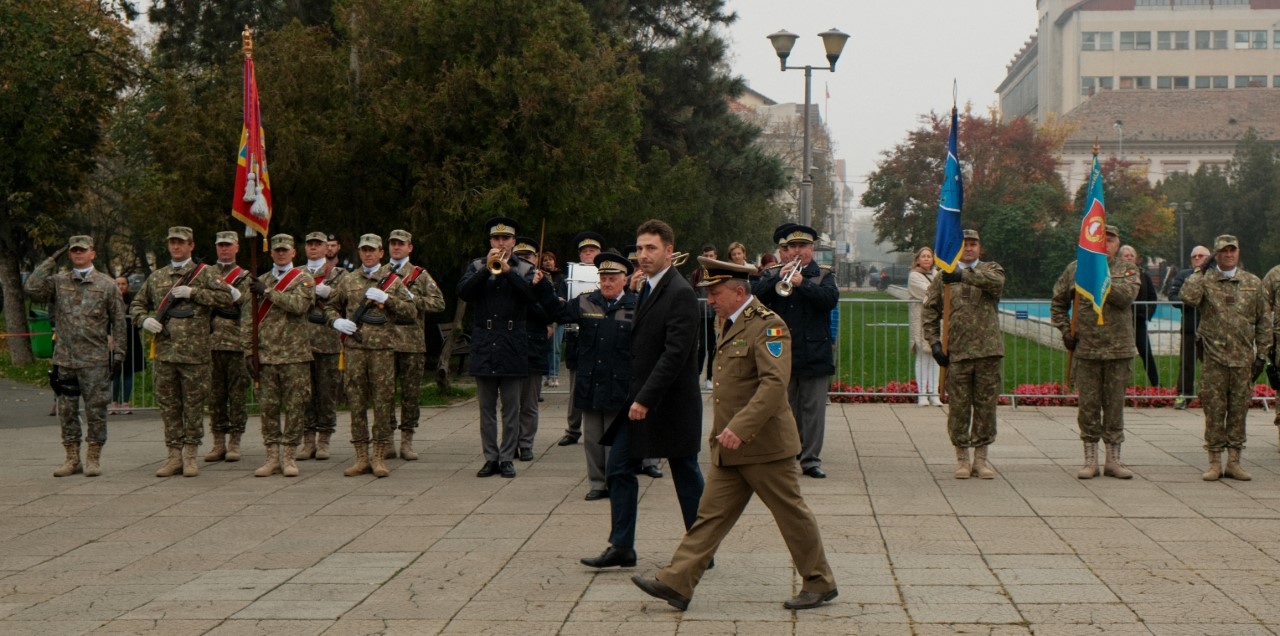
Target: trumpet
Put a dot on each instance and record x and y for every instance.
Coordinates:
(679, 258)
(784, 287)
(495, 263)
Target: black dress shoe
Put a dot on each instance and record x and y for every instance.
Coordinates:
(526, 454)
(809, 600)
(657, 589)
(597, 494)
(508, 469)
(488, 470)
(567, 440)
(613, 558)
(815, 472)
(711, 565)
(652, 471)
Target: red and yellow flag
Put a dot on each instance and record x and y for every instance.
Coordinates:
(251, 201)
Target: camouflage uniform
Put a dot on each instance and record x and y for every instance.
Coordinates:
(326, 348)
(1271, 292)
(230, 378)
(976, 346)
(411, 344)
(89, 311)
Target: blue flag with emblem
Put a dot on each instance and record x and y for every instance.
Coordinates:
(1093, 274)
(948, 238)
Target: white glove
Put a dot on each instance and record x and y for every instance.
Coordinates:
(345, 326)
(152, 325)
(181, 291)
(323, 290)
(235, 294)
(376, 295)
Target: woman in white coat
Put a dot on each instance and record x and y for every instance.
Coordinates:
(922, 271)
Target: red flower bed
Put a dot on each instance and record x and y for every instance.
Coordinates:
(1046, 394)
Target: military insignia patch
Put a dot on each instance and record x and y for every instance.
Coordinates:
(776, 331)
(775, 348)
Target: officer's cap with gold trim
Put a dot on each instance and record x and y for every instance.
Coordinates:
(1113, 231)
(525, 245)
(226, 237)
(501, 226)
(715, 272)
(1225, 241)
(780, 234)
(370, 240)
(971, 234)
(181, 232)
(588, 239)
(630, 252)
(801, 234)
(400, 235)
(611, 263)
(80, 241)
(317, 236)
(282, 242)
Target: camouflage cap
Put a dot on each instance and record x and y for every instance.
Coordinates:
(181, 232)
(81, 241)
(972, 234)
(400, 235)
(226, 237)
(370, 240)
(1225, 241)
(316, 236)
(1113, 231)
(282, 242)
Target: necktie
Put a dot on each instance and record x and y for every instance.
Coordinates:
(728, 322)
(644, 295)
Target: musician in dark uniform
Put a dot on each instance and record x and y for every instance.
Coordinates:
(589, 245)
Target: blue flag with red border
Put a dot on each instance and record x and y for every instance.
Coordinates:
(948, 238)
(1093, 274)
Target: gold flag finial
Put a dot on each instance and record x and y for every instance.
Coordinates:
(246, 39)
(1095, 147)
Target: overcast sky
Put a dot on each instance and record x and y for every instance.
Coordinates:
(898, 64)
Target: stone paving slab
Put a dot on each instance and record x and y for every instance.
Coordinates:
(434, 550)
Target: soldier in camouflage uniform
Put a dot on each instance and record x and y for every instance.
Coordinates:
(326, 348)
(285, 295)
(1103, 357)
(411, 341)
(1235, 329)
(975, 348)
(181, 341)
(91, 343)
(363, 306)
(230, 379)
(1271, 292)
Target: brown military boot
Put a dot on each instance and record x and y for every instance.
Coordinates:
(290, 469)
(390, 452)
(174, 464)
(272, 465)
(379, 458)
(361, 466)
(189, 466)
(962, 463)
(71, 465)
(1090, 468)
(1234, 470)
(1114, 467)
(91, 466)
(406, 447)
(219, 450)
(322, 446)
(980, 466)
(308, 446)
(1215, 467)
(233, 447)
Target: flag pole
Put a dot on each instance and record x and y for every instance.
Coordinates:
(946, 289)
(247, 49)
(1075, 297)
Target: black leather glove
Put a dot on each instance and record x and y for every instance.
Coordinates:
(258, 288)
(1258, 365)
(1069, 341)
(1209, 263)
(117, 363)
(941, 358)
(954, 276)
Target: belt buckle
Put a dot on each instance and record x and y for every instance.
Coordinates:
(488, 324)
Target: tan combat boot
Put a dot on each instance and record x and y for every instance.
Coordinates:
(272, 465)
(962, 463)
(308, 446)
(91, 466)
(390, 452)
(361, 466)
(174, 464)
(1215, 467)
(980, 466)
(1090, 468)
(233, 447)
(1114, 467)
(322, 446)
(378, 458)
(406, 447)
(71, 465)
(288, 467)
(1234, 470)
(219, 450)
(189, 466)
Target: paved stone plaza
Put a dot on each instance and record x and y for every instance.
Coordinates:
(433, 549)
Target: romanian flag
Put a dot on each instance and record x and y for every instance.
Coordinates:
(1093, 274)
(948, 239)
(251, 201)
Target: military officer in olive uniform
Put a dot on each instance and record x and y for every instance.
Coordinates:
(1235, 329)
(972, 359)
(91, 343)
(228, 416)
(175, 304)
(326, 349)
(285, 294)
(411, 340)
(363, 307)
(589, 245)
(754, 442)
(1103, 356)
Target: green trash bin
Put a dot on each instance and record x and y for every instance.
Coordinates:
(42, 342)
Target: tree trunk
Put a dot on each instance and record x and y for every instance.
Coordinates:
(15, 310)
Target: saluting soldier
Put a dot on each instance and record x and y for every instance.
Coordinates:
(175, 304)
(411, 341)
(92, 336)
(1235, 329)
(370, 298)
(230, 379)
(1103, 357)
(589, 245)
(285, 294)
(972, 359)
(326, 349)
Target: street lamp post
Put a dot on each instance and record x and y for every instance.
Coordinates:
(1182, 231)
(783, 41)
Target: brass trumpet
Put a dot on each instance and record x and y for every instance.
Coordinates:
(784, 287)
(679, 258)
(495, 263)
